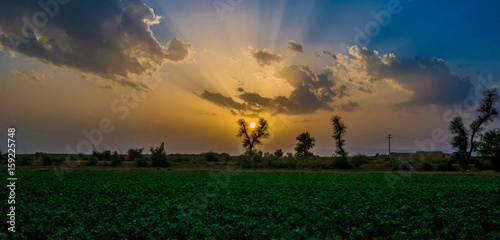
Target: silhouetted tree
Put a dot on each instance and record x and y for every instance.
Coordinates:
(460, 139)
(250, 139)
(116, 159)
(304, 144)
(134, 153)
(278, 153)
(489, 147)
(159, 157)
(464, 138)
(338, 130)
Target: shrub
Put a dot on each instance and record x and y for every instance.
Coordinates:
(278, 153)
(461, 159)
(24, 160)
(426, 166)
(134, 153)
(47, 160)
(91, 160)
(179, 158)
(102, 156)
(246, 161)
(398, 164)
(340, 162)
(116, 159)
(447, 167)
(359, 160)
(140, 162)
(484, 164)
(211, 156)
(159, 157)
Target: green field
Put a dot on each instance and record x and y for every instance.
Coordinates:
(242, 205)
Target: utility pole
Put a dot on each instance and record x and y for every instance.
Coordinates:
(389, 137)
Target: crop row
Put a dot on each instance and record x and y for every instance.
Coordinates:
(154, 205)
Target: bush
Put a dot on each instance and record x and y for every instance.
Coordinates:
(47, 160)
(91, 160)
(398, 164)
(140, 162)
(159, 157)
(359, 160)
(447, 167)
(426, 166)
(179, 158)
(340, 162)
(102, 156)
(24, 160)
(461, 159)
(134, 153)
(116, 159)
(484, 164)
(278, 153)
(211, 156)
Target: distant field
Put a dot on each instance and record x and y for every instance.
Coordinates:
(243, 205)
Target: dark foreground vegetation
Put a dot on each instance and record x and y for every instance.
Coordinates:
(135, 158)
(235, 205)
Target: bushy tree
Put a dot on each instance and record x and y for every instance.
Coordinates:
(159, 157)
(116, 159)
(460, 139)
(304, 144)
(339, 129)
(463, 139)
(278, 153)
(489, 147)
(102, 156)
(134, 153)
(254, 137)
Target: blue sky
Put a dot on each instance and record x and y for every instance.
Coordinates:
(199, 66)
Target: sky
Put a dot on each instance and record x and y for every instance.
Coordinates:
(78, 76)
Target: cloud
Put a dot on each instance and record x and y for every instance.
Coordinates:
(106, 87)
(108, 38)
(427, 80)
(221, 100)
(330, 54)
(294, 46)
(350, 106)
(34, 76)
(311, 92)
(266, 58)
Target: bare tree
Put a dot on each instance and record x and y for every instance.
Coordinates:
(464, 138)
(250, 139)
(338, 130)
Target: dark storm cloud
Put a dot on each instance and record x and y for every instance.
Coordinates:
(429, 79)
(311, 92)
(294, 46)
(109, 38)
(222, 100)
(266, 58)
